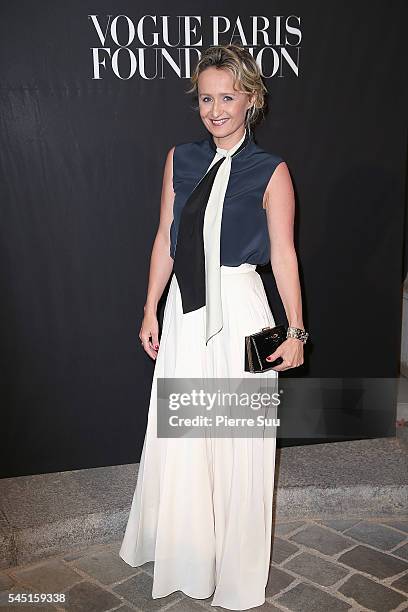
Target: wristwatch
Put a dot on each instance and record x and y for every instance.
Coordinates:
(296, 332)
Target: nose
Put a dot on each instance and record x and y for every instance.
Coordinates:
(216, 110)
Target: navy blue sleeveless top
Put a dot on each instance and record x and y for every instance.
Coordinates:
(244, 229)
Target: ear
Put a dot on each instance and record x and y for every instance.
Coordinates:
(251, 100)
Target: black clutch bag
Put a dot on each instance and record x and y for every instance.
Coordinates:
(258, 346)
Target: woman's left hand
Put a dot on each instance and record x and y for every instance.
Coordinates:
(291, 351)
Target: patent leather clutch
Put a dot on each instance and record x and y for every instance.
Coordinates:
(261, 344)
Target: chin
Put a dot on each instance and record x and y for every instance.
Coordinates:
(223, 130)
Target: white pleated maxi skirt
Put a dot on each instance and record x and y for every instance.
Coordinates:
(202, 507)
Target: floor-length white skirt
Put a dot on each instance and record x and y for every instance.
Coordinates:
(202, 507)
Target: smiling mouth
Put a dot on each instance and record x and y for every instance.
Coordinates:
(219, 121)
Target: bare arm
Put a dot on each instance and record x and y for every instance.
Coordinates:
(280, 211)
(161, 264)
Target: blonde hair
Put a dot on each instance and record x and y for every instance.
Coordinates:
(245, 72)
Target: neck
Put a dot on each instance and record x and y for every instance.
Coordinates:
(232, 140)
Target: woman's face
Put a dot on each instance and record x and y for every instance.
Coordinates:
(222, 108)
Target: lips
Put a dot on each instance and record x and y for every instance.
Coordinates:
(218, 121)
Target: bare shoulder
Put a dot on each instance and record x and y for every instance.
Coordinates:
(171, 151)
(279, 185)
(168, 169)
(170, 154)
(280, 177)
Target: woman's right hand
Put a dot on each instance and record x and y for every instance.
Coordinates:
(149, 334)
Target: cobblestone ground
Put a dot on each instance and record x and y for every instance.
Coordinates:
(317, 566)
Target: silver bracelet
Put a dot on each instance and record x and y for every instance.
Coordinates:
(296, 332)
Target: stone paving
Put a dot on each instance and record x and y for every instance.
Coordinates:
(317, 566)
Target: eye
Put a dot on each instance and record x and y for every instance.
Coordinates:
(205, 98)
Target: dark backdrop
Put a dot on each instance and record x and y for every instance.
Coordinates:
(81, 172)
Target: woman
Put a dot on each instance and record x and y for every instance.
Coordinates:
(202, 507)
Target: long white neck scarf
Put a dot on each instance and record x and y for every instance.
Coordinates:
(211, 236)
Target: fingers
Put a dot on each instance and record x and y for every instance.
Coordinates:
(286, 364)
(280, 367)
(291, 352)
(150, 343)
(155, 341)
(273, 356)
(147, 345)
